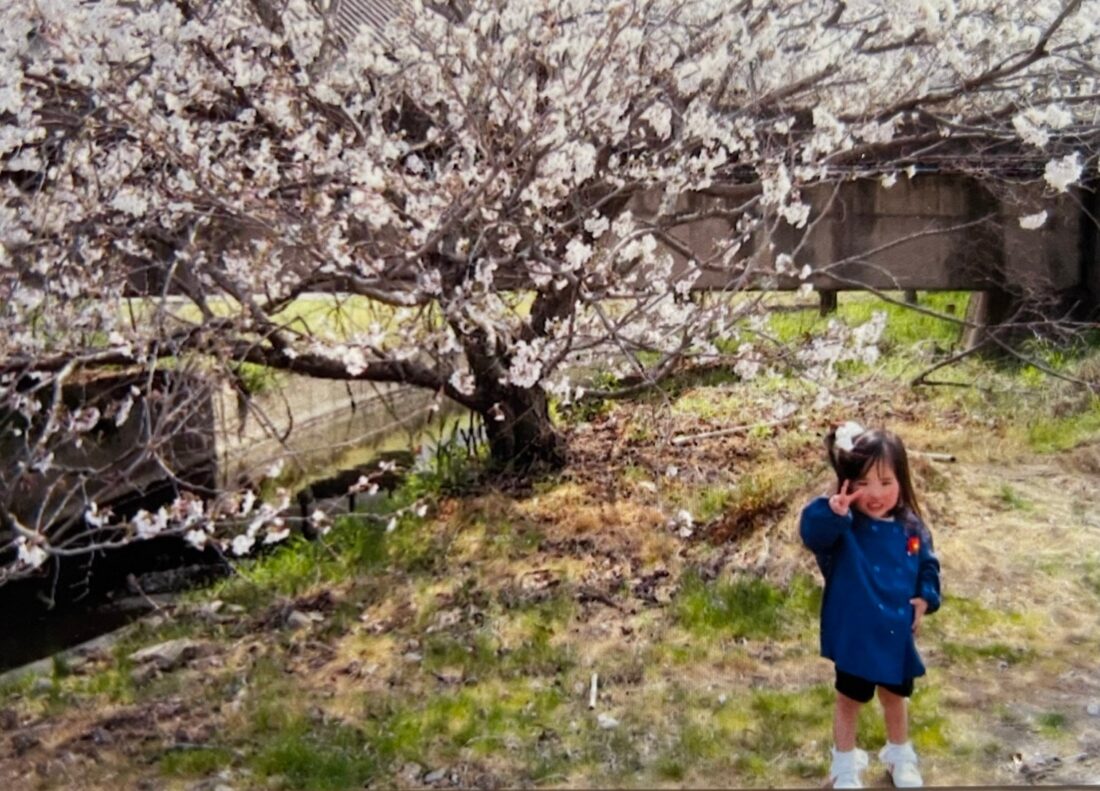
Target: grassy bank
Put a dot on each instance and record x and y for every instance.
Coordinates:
(458, 648)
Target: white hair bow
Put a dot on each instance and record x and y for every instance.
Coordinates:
(846, 435)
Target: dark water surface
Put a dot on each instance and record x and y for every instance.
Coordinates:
(89, 596)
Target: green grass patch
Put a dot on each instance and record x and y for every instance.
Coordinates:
(747, 607)
(764, 491)
(742, 607)
(1037, 410)
(703, 377)
(741, 507)
(784, 718)
(476, 655)
(538, 655)
(290, 748)
(114, 683)
(1090, 574)
(702, 381)
(753, 737)
(458, 456)
(542, 611)
(711, 502)
(929, 727)
(1051, 434)
(15, 689)
(290, 570)
(1000, 652)
(357, 545)
(1052, 722)
(584, 410)
(698, 740)
(195, 762)
(483, 655)
(969, 616)
(803, 599)
(1010, 498)
(611, 757)
(1076, 355)
(670, 769)
(710, 403)
(311, 755)
(485, 719)
(905, 328)
(416, 548)
(677, 654)
(692, 389)
(507, 539)
(299, 565)
(256, 379)
(753, 766)
(633, 473)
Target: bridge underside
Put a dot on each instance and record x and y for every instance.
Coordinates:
(929, 232)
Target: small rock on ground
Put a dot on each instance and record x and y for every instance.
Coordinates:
(168, 655)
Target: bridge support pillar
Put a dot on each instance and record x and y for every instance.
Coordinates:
(986, 310)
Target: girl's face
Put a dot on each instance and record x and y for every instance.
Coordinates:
(879, 490)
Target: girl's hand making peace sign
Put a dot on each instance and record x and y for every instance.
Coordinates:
(842, 500)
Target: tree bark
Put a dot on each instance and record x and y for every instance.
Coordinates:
(521, 436)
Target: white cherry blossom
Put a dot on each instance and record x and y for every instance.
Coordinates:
(1029, 222)
(1064, 172)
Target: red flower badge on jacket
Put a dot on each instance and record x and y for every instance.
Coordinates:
(913, 546)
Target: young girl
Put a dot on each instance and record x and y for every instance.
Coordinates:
(881, 579)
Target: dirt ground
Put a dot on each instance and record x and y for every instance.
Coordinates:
(1012, 656)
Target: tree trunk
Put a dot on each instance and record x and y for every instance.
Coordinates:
(521, 436)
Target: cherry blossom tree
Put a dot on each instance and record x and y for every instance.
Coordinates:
(180, 178)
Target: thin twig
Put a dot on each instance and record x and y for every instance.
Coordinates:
(921, 378)
(1093, 387)
(133, 583)
(683, 439)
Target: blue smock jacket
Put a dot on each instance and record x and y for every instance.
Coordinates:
(872, 568)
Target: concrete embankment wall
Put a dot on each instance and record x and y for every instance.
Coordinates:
(310, 422)
(205, 435)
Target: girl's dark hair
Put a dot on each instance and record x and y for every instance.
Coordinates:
(869, 448)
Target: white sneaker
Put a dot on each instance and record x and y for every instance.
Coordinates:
(844, 773)
(901, 763)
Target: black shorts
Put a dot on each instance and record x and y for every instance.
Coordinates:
(862, 690)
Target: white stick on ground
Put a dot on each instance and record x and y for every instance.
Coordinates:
(592, 691)
(683, 439)
(927, 454)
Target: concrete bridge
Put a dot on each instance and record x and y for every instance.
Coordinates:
(929, 232)
(934, 231)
